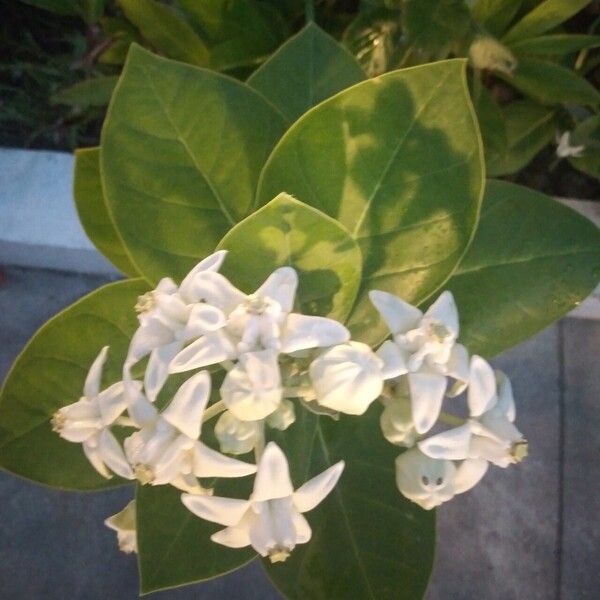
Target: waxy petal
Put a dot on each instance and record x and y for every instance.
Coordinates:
(210, 463)
(153, 334)
(273, 475)
(458, 368)
(426, 396)
(113, 456)
(203, 319)
(506, 401)
(210, 349)
(451, 445)
(216, 290)
(233, 537)
(92, 384)
(400, 316)
(225, 511)
(481, 394)
(92, 453)
(112, 402)
(314, 491)
(303, 530)
(211, 263)
(157, 370)
(394, 360)
(444, 310)
(302, 332)
(187, 407)
(469, 473)
(280, 286)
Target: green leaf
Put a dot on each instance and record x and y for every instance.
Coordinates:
(84, 94)
(397, 160)
(587, 134)
(495, 15)
(50, 373)
(542, 18)
(559, 44)
(182, 149)
(166, 31)
(368, 542)
(550, 83)
(529, 128)
(307, 69)
(531, 262)
(491, 119)
(433, 25)
(93, 212)
(174, 545)
(60, 7)
(92, 10)
(287, 232)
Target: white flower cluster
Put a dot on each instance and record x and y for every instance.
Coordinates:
(272, 356)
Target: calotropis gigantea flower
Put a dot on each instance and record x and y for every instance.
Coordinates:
(490, 433)
(170, 316)
(396, 422)
(425, 345)
(88, 421)
(259, 321)
(349, 377)
(429, 482)
(125, 525)
(236, 436)
(167, 449)
(271, 520)
(252, 389)
(564, 148)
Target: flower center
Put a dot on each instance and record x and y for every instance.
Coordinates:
(278, 554)
(145, 303)
(256, 304)
(439, 332)
(519, 450)
(58, 421)
(143, 473)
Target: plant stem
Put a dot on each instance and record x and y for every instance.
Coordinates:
(309, 11)
(260, 443)
(212, 411)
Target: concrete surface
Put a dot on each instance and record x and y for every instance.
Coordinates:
(525, 533)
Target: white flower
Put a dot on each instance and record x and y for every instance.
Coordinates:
(490, 433)
(396, 422)
(124, 524)
(236, 436)
(429, 482)
(88, 422)
(424, 348)
(271, 520)
(263, 320)
(170, 316)
(564, 148)
(283, 417)
(347, 378)
(252, 389)
(167, 449)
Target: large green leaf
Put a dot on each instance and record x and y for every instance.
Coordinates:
(306, 70)
(531, 262)
(544, 17)
(287, 232)
(368, 542)
(166, 30)
(50, 373)
(182, 149)
(175, 546)
(529, 127)
(93, 212)
(550, 83)
(559, 44)
(397, 160)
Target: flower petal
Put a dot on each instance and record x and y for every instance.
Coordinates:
(157, 370)
(458, 368)
(187, 407)
(112, 455)
(451, 445)
(225, 511)
(92, 383)
(153, 334)
(112, 402)
(302, 332)
(400, 316)
(233, 537)
(469, 474)
(481, 394)
(90, 449)
(210, 263)
(506, 401)
(314, 491)
(444, 310)
(273, 475)
(212, 348)
(140, 409)
(303, 530)
(281, 286)
(217, 290)
(394, 360)
(203, 318)
(210, 463)
(426, 395)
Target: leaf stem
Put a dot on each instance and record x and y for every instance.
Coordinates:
(309, 11)
(212, 411)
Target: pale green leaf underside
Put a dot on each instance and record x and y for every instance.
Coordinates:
(287, 232)
(182, 149)
(50, 373)
(368, 542)
(532, 260)
(307, 69)
(93, 212)
(398, 161)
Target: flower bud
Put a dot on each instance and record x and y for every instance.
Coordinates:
(236, 436)
(283, 417)
(397, 424)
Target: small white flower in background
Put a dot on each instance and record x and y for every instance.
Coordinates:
(490, 433)
(396, 422)
(564, 148)
(260, 321)
(252, 389)
(236, 436)
(170, 316)
(167, 450)
(271, 520)
(424, 348)
(348, 378)
(88, 421)
(430, 482)
(125, 526)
